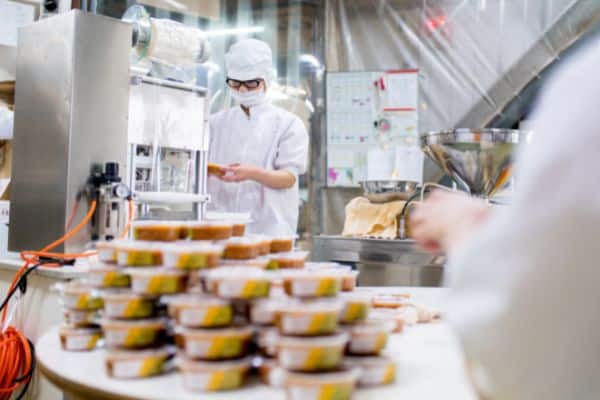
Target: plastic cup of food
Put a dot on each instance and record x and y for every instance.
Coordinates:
(210, 230)
(290, 260)
(139, 254)
(303, 283)
(336, 385)
(369, 337)
(241, 248)
(128, 364)
(312, 354)
(349, 276)
(374, 371)
(309, 318)
(79, 296)
(356, 307)
(392, 317)
(264, 243)
(270, 372)
(79, 339)
(133, 334)
(79, 318)
(263, 311)
(241, 283)
(282, 244)
(128, 305)
(107, 251)
(390, 300)
(107, 276)
(157, 281)
(197, 311)
(191, 256)
(212, 376)
(266, 341)
(214, 344)
(158, 231)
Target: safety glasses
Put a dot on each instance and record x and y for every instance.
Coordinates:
(250, 85)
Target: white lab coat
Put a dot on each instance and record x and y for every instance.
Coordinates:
(270, 138)
(525, 295)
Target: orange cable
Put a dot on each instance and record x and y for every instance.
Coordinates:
(15, 354)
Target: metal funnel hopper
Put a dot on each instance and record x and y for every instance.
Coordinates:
(480, 159)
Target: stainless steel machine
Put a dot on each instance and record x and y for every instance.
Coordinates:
(88, 102)
(481, 160)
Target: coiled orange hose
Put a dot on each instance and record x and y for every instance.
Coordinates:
(16, 357)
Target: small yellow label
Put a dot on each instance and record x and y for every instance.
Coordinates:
(335, 392)
(223, 380)
(137, 308)
(225, 347)
(255, 289)
(218, 315)
(355, 312)
(88, 302)
(192, 261)
(322, 323)
(381, 341)
(390, 374)
(93, 341)
(140, 336)
(163, 284)
(321, 358)
(116, 279)
(151, 366)
(140, 258)
(328, 287)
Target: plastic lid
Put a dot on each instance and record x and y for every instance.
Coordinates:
(338, 339)
(372, 326)
(355, 297)
(320, 378)
(154, 271)
(190, 365)
(237, 272)
(305, 274)
(122, 323)
(243, 240)
(139, 245)
(74, 287)
(193, 247)
(67, 330)
(367, 362)
(321, 305)
(151, 223)
(203, 332)
(118, 355)
(259, 262)
(189, 300)
(123, 295)
(291, 255)
(209, 223)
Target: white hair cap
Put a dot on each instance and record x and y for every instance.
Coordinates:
(249, 59)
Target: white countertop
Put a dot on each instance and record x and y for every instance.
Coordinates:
(428, 358)
(13, 263)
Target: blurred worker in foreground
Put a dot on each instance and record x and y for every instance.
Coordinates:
(524, 278)
(262, 148)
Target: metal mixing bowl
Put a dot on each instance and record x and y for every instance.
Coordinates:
(383, 191)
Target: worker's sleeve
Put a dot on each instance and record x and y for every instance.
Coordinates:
(525, 296)
(292, 149)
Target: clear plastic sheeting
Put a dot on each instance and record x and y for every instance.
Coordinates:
(474, 56)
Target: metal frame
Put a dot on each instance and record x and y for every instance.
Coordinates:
(200, 196)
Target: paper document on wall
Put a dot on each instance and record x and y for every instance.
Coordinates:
(13, 15)
(401, 89)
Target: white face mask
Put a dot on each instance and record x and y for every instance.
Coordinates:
(249, 99)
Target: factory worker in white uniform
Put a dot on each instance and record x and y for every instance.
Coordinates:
(262, 148)
(525, 278)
